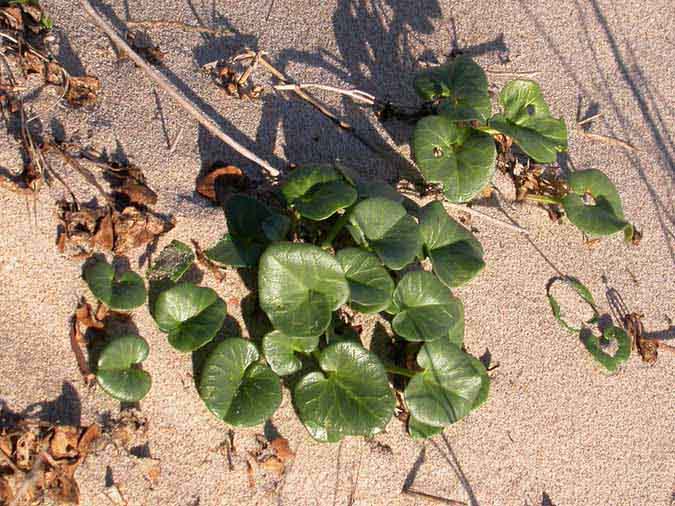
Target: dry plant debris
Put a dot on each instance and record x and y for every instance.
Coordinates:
(268, 461)
(39, 458)
(221, 178)
(143, 45)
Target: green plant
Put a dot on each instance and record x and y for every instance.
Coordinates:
(454, 146)
(117, 370)
(351, 242)
(120, 293)
(595, 345)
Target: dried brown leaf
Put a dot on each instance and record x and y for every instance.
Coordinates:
(82, 91)
(281, 449)
(91, 434)
(225, 177)
(134, 228)
(6, 491)
(205, 262)
(151, 469)
(76, 342)
(64, 442)
(62, 487)
(26, 447)
(273, 465)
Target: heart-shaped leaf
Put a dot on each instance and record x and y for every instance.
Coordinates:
(318, 191)
(123, 293)
(116, 372)
(456, 255)
(581, 290)
(190, 314)
(351, 397)
(251, 227)
(460, 158)
(426, 308)
(528, 121)
(461, 84)
(280, 351)
(235, 387)
(447, 388)
(372, 189)
(605, 215)
(300, 286)
(173, 261)
(593, 345)
(370, 285)
(386, 227)
(484, 382)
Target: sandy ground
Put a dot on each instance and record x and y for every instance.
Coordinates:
(556, 430)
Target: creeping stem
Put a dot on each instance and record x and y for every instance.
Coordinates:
(544, 199)
(335, 229)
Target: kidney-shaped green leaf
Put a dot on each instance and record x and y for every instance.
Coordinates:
(251, 227)
(603, 216)
(447, 388)
(527, 120)
(280, 351)
(460, 158)
(173, 261)
(456, 255)
(370, 285)
(190, 314)
(419, 430)
(318, 191)
(235, 387)
(300, 286)
(116, 372)
(121, 293)
(426, 308)
(351, 397)
(463, 86)
(386, 227)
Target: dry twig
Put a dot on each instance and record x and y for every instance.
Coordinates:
(185, 104)
(608, 140)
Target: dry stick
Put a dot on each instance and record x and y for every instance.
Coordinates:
(176, 139)
(589, 119)
(507, 73)
(357, 95)
(161, 23)
(496, 221)
(185, 104)
(432, 498)
(608, 140)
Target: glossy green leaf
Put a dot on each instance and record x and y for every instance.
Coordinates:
(602, 217)
(300, 286)
(455, 253)
(426, 307)
(121, 293)
(280, 351)
(190, 314)
(386, 227)
(373, 189)
(527, 120)
(484, 390)
(172, 262)
(594, 345)
(351, 397)
(251, 227)
(116, 372)
(419, 430)
(370, 285)
(581, 290)
(461, 84)
(447, 388)
(460, 158)
(318, 191)
(236, 387)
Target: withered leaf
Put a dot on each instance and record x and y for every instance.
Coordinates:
(273, 465)
(151, 469)
(88, 437)
(6, 491)
(76, 343)
(134, 228)
(82, 91)
(281, 449)
(64, 442)
(205, 262)
(12, 17)
(62, 487)
(26, 447)
(141, 43)
(647, 348)
(226, 177)
(85, 315)
(104, 237)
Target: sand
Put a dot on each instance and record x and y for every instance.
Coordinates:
(556, 429)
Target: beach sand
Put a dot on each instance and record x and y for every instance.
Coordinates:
(556, 429)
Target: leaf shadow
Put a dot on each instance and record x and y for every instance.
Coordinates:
(65, 409)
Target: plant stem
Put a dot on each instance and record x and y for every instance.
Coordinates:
(487, 130)
(544, 199)
(401, 371)
(335, 229)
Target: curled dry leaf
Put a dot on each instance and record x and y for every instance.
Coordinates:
(273, 465)
(82, 91)
(86, 230)
(205, 262)
(281, 449)
(65, 442)
(225, 177)
(142, 44)
(647, 348)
